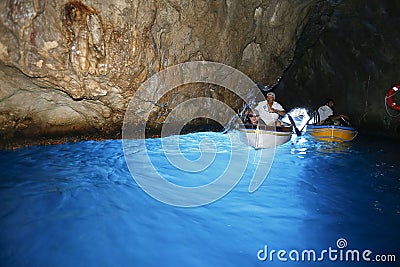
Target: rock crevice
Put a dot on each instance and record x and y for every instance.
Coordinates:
(90, 57)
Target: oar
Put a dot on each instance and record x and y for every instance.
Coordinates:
(305, 125)
(345, 121)
(298, 132)
(311, 117)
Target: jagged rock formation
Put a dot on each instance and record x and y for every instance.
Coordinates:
(75, 65)
(351, 53)
(71, 67)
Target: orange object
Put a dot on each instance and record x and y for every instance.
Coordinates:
(389, 97)
(332, 133)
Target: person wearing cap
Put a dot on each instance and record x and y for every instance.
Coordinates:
(253, 118)
(270, 110)
(326, 114)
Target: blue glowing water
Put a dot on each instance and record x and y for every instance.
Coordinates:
(76, 204)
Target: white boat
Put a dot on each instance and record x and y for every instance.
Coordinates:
(262, 136)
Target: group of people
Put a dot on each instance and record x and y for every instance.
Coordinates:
(269, 112)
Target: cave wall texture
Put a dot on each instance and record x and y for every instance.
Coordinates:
(350, 53)
(69, 68)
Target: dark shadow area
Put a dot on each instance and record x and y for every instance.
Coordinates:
(350, 53)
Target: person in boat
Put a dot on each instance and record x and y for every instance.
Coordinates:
(253, 119)
(327, 117)
(270, 110)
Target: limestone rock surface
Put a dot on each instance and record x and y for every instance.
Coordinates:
(350, 52)
(71, 67)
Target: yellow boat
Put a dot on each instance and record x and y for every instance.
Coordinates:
(332, 133)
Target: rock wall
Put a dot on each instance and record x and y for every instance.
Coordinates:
(351, 53)
(70, 67)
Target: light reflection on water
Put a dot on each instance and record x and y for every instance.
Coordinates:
(76, 204)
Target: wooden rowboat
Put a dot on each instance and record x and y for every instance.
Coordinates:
(332, 133)
(264, 136)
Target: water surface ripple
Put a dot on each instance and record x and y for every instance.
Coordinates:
(76, 204)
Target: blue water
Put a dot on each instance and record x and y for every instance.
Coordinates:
(76, 204)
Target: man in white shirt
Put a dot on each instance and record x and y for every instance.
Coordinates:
(270, 110)
(326, 112)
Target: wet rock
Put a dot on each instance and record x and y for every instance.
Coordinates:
(72, 67)
(349, 52)
(80, 61)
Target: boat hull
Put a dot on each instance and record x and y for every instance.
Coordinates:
(265, 137)
(330, 133)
